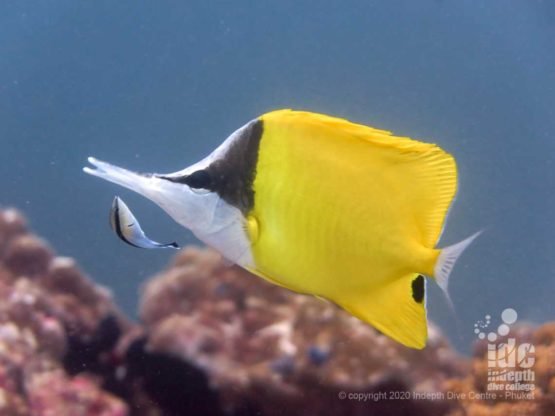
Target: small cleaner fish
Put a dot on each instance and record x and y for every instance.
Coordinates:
(321, 206)
(128, 229)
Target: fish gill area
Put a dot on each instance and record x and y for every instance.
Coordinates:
(213, 340)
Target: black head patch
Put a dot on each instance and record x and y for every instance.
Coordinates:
(232, 176)
(201, 179)
(418, 289)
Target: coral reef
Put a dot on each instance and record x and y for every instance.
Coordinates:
(45, 303)
(65, 349)
(270, 351)
(530, 397)
(215, 340)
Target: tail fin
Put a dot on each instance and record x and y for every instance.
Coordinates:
(447, 259)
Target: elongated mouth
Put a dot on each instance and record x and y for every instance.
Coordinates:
(104, 168)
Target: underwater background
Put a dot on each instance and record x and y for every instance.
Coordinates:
(155, 86)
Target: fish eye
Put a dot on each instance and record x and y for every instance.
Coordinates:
(200, 179)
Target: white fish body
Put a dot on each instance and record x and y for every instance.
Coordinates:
(128, 229)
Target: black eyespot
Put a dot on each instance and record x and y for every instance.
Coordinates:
(418, 289)
(200, 179)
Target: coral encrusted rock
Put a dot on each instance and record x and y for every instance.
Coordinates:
(269, 350)
(214, 340)
(46, 306)
(533, 395)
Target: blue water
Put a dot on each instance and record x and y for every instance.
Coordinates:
(154, 86)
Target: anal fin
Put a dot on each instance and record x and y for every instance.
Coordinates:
(397, 309)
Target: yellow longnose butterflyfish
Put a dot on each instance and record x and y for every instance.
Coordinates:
(321, 206)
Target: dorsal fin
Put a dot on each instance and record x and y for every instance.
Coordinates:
(429, 171)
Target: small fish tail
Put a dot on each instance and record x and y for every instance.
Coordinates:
(167, 245)
(446, 261)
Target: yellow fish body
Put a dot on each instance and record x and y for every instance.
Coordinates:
(321, 206)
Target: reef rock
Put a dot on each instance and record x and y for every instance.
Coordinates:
(270, 351)
(491, 388)
(216, 340)
(46, 305)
